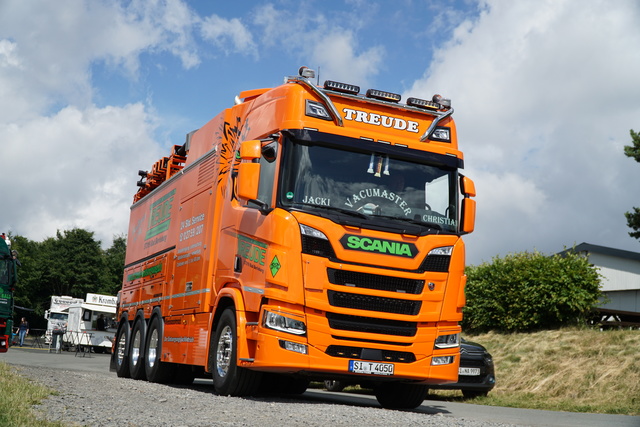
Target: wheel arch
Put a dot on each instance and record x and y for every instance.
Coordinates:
(232, 298)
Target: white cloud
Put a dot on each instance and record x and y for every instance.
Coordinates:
(75, 169)
(222, 32)
(69, 162)
(546, 93)
(320, 42)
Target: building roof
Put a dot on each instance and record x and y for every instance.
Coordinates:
(603, 250)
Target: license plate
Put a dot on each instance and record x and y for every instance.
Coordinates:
(372, 368)
(469, 371)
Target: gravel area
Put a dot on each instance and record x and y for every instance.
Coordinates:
(103, 399)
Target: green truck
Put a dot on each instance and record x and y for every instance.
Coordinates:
(8, 278)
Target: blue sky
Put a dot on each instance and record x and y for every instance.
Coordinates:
(545, 92)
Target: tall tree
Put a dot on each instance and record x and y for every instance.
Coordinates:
(114, 266)
(633, 151)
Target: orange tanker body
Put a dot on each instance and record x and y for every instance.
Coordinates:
(304, 233)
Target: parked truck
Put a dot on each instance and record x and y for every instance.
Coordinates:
(57, 315)
(91, 324)
(307, 232)
(8, 279)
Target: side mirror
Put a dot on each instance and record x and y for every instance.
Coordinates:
(468, 217)
(468, 212)
(468, 187)
(249, 172)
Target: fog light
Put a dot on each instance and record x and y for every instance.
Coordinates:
(442, 360)
(294, 346)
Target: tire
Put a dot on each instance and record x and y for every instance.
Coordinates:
(400, 395)
(228, 378)
(156, 370)
(136, 350)
(334, 385)
(120, 354)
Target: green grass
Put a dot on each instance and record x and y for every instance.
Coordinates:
(573, 370)
(17, 397)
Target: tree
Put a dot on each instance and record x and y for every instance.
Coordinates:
(114, 266)
(530, 291)
(633, 151)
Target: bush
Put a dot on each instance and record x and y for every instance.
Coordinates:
(530, 291)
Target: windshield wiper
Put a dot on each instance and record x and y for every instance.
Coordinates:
(336, 209)
(413, 221)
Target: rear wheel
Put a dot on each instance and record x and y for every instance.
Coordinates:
(136, 350)
(120, 351)
(156, 370)
(400, 395)
(228, 378)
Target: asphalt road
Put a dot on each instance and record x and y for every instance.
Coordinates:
(526, 417)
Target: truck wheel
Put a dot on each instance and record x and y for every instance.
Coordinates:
(400, 395)
(228, 378)
(136, 350)
(120, 351)
(156, 370)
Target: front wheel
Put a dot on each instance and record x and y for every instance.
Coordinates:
(400, 395)
(228, 378)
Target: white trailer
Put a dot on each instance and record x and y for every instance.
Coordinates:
(57, 314)
(91, 324)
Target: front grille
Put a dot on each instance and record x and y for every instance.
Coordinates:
(437, 263)
(374, 281)
(371, 303)
(371, 325)
(473, 363)
(370, 354)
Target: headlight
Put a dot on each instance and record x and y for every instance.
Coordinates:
(447, 341)
(282, 323)
(444, 250)
(312, 232)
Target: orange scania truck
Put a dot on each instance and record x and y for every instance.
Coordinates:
(306, 233)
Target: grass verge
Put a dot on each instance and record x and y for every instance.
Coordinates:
(573, 370)
(17, 399)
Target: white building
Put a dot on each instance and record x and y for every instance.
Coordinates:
(620, 272)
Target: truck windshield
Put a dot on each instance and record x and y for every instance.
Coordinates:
(369, 185)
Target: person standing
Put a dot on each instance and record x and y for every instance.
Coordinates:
(23, 330)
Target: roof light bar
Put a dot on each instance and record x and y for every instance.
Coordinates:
(342, 87)
(383, 96)
(422, 103)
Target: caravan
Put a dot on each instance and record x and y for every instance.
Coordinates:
(90, 324)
